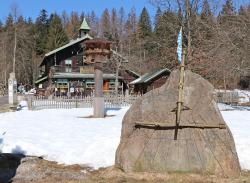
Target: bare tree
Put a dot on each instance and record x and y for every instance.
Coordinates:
(14, 12)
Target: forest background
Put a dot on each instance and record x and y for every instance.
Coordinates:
(217, 42)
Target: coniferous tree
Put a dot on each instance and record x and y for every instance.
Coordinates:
(228, 14)
(130, 25)
(114, 26)
(41, 30)
(206, 13)
(121, 21)
(9, 22)
(56, 35)
(65, 19)
(228, 8)
(94, 24)
(144, 24)
(73, 26)
(106, 25)
(206, 22)
(157, 22)
(1, 26)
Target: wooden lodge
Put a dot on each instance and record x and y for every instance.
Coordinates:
(65, 71)
(149, 81)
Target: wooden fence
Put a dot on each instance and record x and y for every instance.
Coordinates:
(227, 97)
(36, 103)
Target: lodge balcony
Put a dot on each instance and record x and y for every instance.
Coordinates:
(86, 71)
(73, 69)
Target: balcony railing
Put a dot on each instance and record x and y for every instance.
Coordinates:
(76, 69)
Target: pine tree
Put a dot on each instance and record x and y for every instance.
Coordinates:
(65, 18)
(205, 26)
(144, 24)
(121, 21)
(94, 24)
(56, 36)
(106, 25)
(131, 23)
(228, 8)
(157, 22)
(206, 13)
(41, 30)
(9, 21)
(73, 25)
(114, 26)
(1, 26)
(227, 16)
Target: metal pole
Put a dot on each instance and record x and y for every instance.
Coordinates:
(180, 97)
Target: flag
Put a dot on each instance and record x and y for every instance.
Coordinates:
(179, 47)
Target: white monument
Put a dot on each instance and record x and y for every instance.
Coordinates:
(12, 88)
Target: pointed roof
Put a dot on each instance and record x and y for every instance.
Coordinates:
(84, 25)
(86, 37)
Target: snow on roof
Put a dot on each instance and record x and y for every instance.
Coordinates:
(149, 76)
(41, 79)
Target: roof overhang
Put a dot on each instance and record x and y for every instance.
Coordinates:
(82, 76)
(41, 79)
(147, 77)
(78, 40)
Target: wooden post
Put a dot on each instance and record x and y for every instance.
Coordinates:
(12, 90)
(98, 99)
(30, 103)
(180, 97)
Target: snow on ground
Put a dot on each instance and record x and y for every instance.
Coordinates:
(244, 95)
(224, 107)
(62, 135)
(239, 124)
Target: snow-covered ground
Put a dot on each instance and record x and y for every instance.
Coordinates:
(63, 135)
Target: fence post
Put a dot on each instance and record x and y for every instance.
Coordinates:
(30, 103)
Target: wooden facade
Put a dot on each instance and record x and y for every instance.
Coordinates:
(149, 81)
(64, 71)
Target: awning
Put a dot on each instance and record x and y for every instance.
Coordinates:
(41, 79)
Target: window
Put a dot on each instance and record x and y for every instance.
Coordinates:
(90, 83)
(111, 84)
(68, 64)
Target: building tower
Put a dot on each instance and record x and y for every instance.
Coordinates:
(84, 29)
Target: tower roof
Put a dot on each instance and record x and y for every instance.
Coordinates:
(84, 25)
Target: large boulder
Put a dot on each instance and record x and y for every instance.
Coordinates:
(204, 142)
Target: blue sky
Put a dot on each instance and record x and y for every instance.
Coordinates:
(31, 8)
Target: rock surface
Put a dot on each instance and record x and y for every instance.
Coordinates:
(202, 145)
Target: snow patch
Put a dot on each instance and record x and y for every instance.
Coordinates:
(62, 135)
